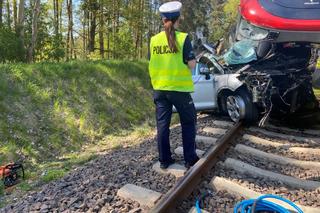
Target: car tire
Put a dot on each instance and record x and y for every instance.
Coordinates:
(239, 106)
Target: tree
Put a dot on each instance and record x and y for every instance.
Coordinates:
(56, 18)
(223, 17)
(1, 11)
(58, 29)
(84, 32)
(101, 29)
(57, 40)
(70, 39)
(15, 14)
(8, 15)
(35, 17)
(20, 24)
(92, 6)
(195, 14)
(114, 28)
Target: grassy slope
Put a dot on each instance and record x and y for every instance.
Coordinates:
(52, 110)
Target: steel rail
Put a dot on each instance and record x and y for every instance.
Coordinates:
(189, 181)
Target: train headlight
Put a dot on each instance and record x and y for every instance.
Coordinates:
(252, 32)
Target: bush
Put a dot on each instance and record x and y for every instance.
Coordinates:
(11, 48)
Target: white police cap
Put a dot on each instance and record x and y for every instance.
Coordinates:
(170, 9)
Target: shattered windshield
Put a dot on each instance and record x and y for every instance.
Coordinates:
(241, 52)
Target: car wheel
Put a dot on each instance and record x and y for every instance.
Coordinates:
(239, 106)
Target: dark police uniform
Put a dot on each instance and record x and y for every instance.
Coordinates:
(167, 97)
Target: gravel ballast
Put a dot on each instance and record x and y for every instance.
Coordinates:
(94, 187)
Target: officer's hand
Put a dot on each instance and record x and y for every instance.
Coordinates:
(192, 64)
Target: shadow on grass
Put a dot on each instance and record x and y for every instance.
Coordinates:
(47, 109)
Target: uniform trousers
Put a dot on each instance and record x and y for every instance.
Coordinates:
(182, 101)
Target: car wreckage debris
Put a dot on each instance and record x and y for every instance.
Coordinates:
(279, 81)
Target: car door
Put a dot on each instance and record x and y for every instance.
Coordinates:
(204, 95)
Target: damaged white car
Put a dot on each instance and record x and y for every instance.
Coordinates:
(269, 69)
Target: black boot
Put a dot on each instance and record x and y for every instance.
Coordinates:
(165, 165)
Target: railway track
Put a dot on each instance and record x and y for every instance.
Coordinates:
(130, 180)
(193, 176)
(278, 160)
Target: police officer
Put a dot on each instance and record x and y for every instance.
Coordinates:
(171, 62)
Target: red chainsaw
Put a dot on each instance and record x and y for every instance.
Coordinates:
(10, 173)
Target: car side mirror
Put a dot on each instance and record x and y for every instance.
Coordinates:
(205, 71)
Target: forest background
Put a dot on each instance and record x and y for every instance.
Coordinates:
(62, 30)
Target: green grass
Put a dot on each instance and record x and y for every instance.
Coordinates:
(24, 186)
(57, 116)
(1, 187)
(50, 109)
(53, 175)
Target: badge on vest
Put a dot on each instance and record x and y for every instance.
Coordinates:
(161, 50)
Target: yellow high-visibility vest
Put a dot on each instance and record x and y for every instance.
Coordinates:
(167, 70)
